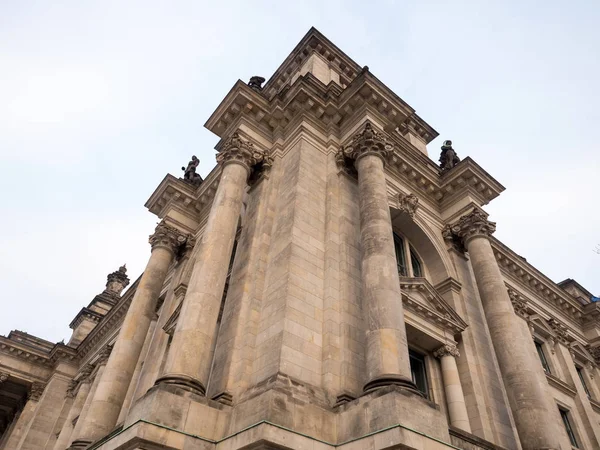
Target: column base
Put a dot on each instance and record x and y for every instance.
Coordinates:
(392, 380)
(80, 444)
(183, 381)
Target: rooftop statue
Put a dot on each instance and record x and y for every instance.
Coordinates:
(190, 174)
(448, 158)
(256, 82)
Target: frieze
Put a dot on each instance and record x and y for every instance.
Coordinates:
(553, 295)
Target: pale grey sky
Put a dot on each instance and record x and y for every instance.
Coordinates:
(100, 99)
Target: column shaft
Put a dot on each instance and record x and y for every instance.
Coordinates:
(112, 388)
(86, 406)
(455, 399)
(189, 359)
(387, 350)
(63, 438)
(522, 373)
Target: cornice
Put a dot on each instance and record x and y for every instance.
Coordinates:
(23, 351)
(519, 269)
(108, 323)
(85, 313)
(438, 312)
(561, 385)
(174, 193)
(312, 42)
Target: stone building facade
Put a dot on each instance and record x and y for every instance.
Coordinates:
(327, 286)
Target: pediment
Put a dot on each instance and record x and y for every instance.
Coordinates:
(540, 325)
(169, 326)
(421, 298)
(578, 349)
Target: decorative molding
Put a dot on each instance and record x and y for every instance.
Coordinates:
(37, 389)
(519, 303)
(3, 377)
(438, 312)
(561, 385)
(526, 275)
(171, 323)
(71, 390)
(473, 224)
(104, 354)
(408, 203)
(368, 141)
(24, 352)
(238, 150)
(447, 349)
(560, 331)
(167, 237)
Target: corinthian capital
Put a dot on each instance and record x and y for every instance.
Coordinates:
(473, 224)
(235, 149)
(447, 350)
(104, 354)
(167, 237)
(37, 389)
(366, 142)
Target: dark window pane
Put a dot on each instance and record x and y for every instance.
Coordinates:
(416, 264)
(565, 417)
(418, 372)
(400, 255)
(542, 356)
(585, 388)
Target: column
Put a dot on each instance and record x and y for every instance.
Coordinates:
(522, 373)
(112, 388)
(190, 355)
(26, 416)
(100, 364)
(82, 393)
(387, 351)
(455, 399)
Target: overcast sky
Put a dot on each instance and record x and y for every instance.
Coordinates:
(99, 100)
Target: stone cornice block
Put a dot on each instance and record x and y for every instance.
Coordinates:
(529, 276)
(85, 313)
(174, 195)
(24, 351)
(467, 177)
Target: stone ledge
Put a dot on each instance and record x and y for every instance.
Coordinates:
(264, 436)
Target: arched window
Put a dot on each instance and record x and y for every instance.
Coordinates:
(409, 262)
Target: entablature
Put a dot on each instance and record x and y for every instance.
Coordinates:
(518, 269)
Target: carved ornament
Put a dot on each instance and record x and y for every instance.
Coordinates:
(236, 149)
(519, 303)
(560, 331)
(104, 354)
(117, 281)
(167, 237)
(408, 203)
(72, 388)
(3, 377)
(366, 142)
(37, 389)
(473, 224)
(447, 350)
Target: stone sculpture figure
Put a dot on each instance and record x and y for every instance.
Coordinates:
(190, 174)
(256, 82)
(448, 157)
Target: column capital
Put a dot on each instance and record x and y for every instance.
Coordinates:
(473, 224)
(37, 389)
(104, 354)
(72, 388)
(167, 237)
(447, 350)
(368, 141)
(240, 151)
